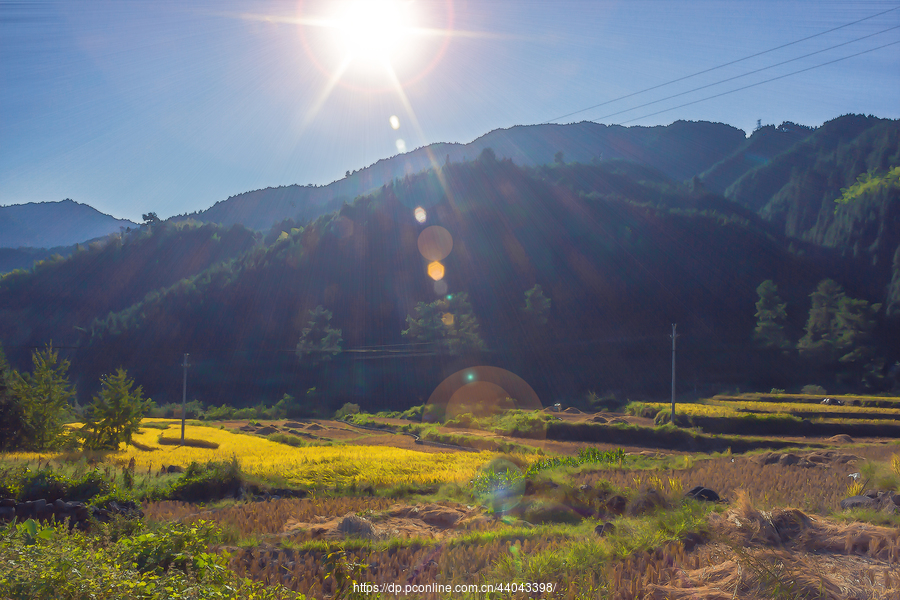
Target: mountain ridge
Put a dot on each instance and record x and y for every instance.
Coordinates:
(54, 223)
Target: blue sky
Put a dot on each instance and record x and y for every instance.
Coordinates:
(169, 106)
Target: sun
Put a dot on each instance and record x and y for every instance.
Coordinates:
(373, 31)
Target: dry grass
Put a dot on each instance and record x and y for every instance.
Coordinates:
(818, 489)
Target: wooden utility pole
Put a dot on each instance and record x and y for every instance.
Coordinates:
(184, 396)
(673, 336)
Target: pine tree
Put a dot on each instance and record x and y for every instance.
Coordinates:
(770, 318)
(44, 396)
(838, 327)
(449, 323)
(537, 306)
(820, 340)
(319, 340)
(115, 414)
(12, 415)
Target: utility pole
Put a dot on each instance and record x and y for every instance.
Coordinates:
(673, 336)
(184, 396)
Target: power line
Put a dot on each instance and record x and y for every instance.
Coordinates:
(703, 87)
(723, 65)
(830, 62)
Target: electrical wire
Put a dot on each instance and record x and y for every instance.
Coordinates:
(703, 87)
(655, 87)
(830, 62)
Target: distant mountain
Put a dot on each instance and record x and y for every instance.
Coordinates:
(49, 224)
(679, 151)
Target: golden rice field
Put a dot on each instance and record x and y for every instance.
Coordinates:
(703, 410)
(715, 408)
(792, 407)
(310, 467)
(801, 398)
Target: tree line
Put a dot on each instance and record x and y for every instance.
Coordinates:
(35, 407)
(837, 334)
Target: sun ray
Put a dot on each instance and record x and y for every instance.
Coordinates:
(326, 91)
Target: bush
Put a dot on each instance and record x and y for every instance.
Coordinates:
(414, 413)
(346, 410)
(220, 413)
(172, 561)
(639, 409)
(44, 484)
(462, 421)
(89, 485)
(212, 481)
(192, 442)
(528, 424)
(284, 438)
(607, 401)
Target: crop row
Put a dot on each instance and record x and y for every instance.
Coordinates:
(739, 408)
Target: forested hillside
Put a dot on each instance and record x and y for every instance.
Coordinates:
(569, 274)
(798, 192)
(58, 299)
(618, 250)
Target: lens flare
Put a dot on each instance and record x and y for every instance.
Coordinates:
(420, 214)
(447, 319)
(435, 243)
(482, 391)
(440, 288)
(395, 122)
(401, 145)
(436, 270)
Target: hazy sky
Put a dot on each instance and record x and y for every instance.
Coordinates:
(171, 106)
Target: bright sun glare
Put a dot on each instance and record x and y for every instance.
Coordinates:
(373, 30)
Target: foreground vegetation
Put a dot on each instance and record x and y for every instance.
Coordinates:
(531, 517)
(122, 560)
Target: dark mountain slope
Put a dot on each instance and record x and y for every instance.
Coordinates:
(680, 151)
(797, 190)
(49, 224)
(761, 147)
(619, 266)
(59, 296)
(24, 258)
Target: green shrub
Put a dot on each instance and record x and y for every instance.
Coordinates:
(114, 494)
(173, 561)
(192, 442)
(346, 410)
(813, 390)
(44, 484)
(639, 409)
(284, 438)
(463, 421)
(212, 481)
(89, 485)
(519, 423)
(413, 413)
(219, 413)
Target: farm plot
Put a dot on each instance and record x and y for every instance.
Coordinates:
(310, 467)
